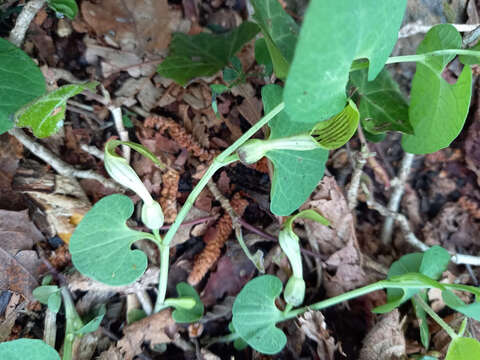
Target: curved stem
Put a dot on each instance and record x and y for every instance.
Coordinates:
(73, 322)
(435, 317)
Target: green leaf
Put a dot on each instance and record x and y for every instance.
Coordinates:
(296, 173)
(45, 115)
(336, 131)
(182, 315)
(463, 348)
(438, 109)
(422, 320)
(203, 54)
(453, 301)
(333, 34)
(135, 315)
(262, 56)
(434, 262)
(30, 349)
(382, 106)
(68, 8)
(239, 344)
(280, 33)
(101, 243)
(21, 81)
(94, 323)
(255, 315)
(471, 59)
(42, 293)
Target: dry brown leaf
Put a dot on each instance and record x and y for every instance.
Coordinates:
(155, 329)
(10, 316)
(135, 25)
(338, 241)
(385, 341)
(10, 152)
(312, 323)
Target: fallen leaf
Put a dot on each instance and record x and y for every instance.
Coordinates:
(156, 329)
(385, 341)
(135, 25)
(312, 323)
(10, 153)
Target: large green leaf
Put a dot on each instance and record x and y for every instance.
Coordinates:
(280, 32)
(30, 349)
(21, 81)
(333, 34)
(101, 243)
(255, 315)
(463, 348)
(203, 54)
(296, 173)
(382, 106)
(69, 8)
(45, 115)
(438, 109)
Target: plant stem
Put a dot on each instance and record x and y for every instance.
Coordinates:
(422, 57)
(437, 318)
(73, 322)
(221, 160)
(163, 278)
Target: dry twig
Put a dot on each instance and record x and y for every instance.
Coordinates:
(23, 21)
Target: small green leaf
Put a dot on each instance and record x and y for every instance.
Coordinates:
(296, 173)
(382, 105)
(438, 109)
(255, 315)
(203, 54)
(453, 301)
(422, 320)
(94, 323)
(434, 262)
(218, 89)
(68, 8)
(463, 348)
(471, 59)
(335, 33)
(262, 56)
(280, 32)
(336, 131)
(182, 315)
(101, 243)
(21, 81)
(42, 293)
(30, 349)
(135, 315)
(45, 115)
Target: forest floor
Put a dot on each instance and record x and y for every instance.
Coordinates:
(39, 209)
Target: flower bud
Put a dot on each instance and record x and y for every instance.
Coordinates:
(290, 245)
(152, 215)
(294, 292)
(253, 150)
(120, 171)
(187, 303)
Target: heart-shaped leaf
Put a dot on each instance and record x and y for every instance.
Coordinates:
(296, 173)
(182, 315)
(21, 81)
(30, 349)
(438, 109)
(382, 105)
(255, 315)
(333, 34)
(336, 131)
(45, 115)
(101, 244)
(463, 348)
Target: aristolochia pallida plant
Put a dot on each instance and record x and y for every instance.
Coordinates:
(342, 45)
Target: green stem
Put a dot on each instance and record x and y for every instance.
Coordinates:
(437, 318)
(163, 278)
(73, 322)
(225, 158)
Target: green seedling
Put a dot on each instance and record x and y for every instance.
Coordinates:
(68, 8)
(255, 313)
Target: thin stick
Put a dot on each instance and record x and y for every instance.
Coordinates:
(401, 220)
(418, 28)
(59, 165)
(360, 162)
(398, 190)
(23, 21)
